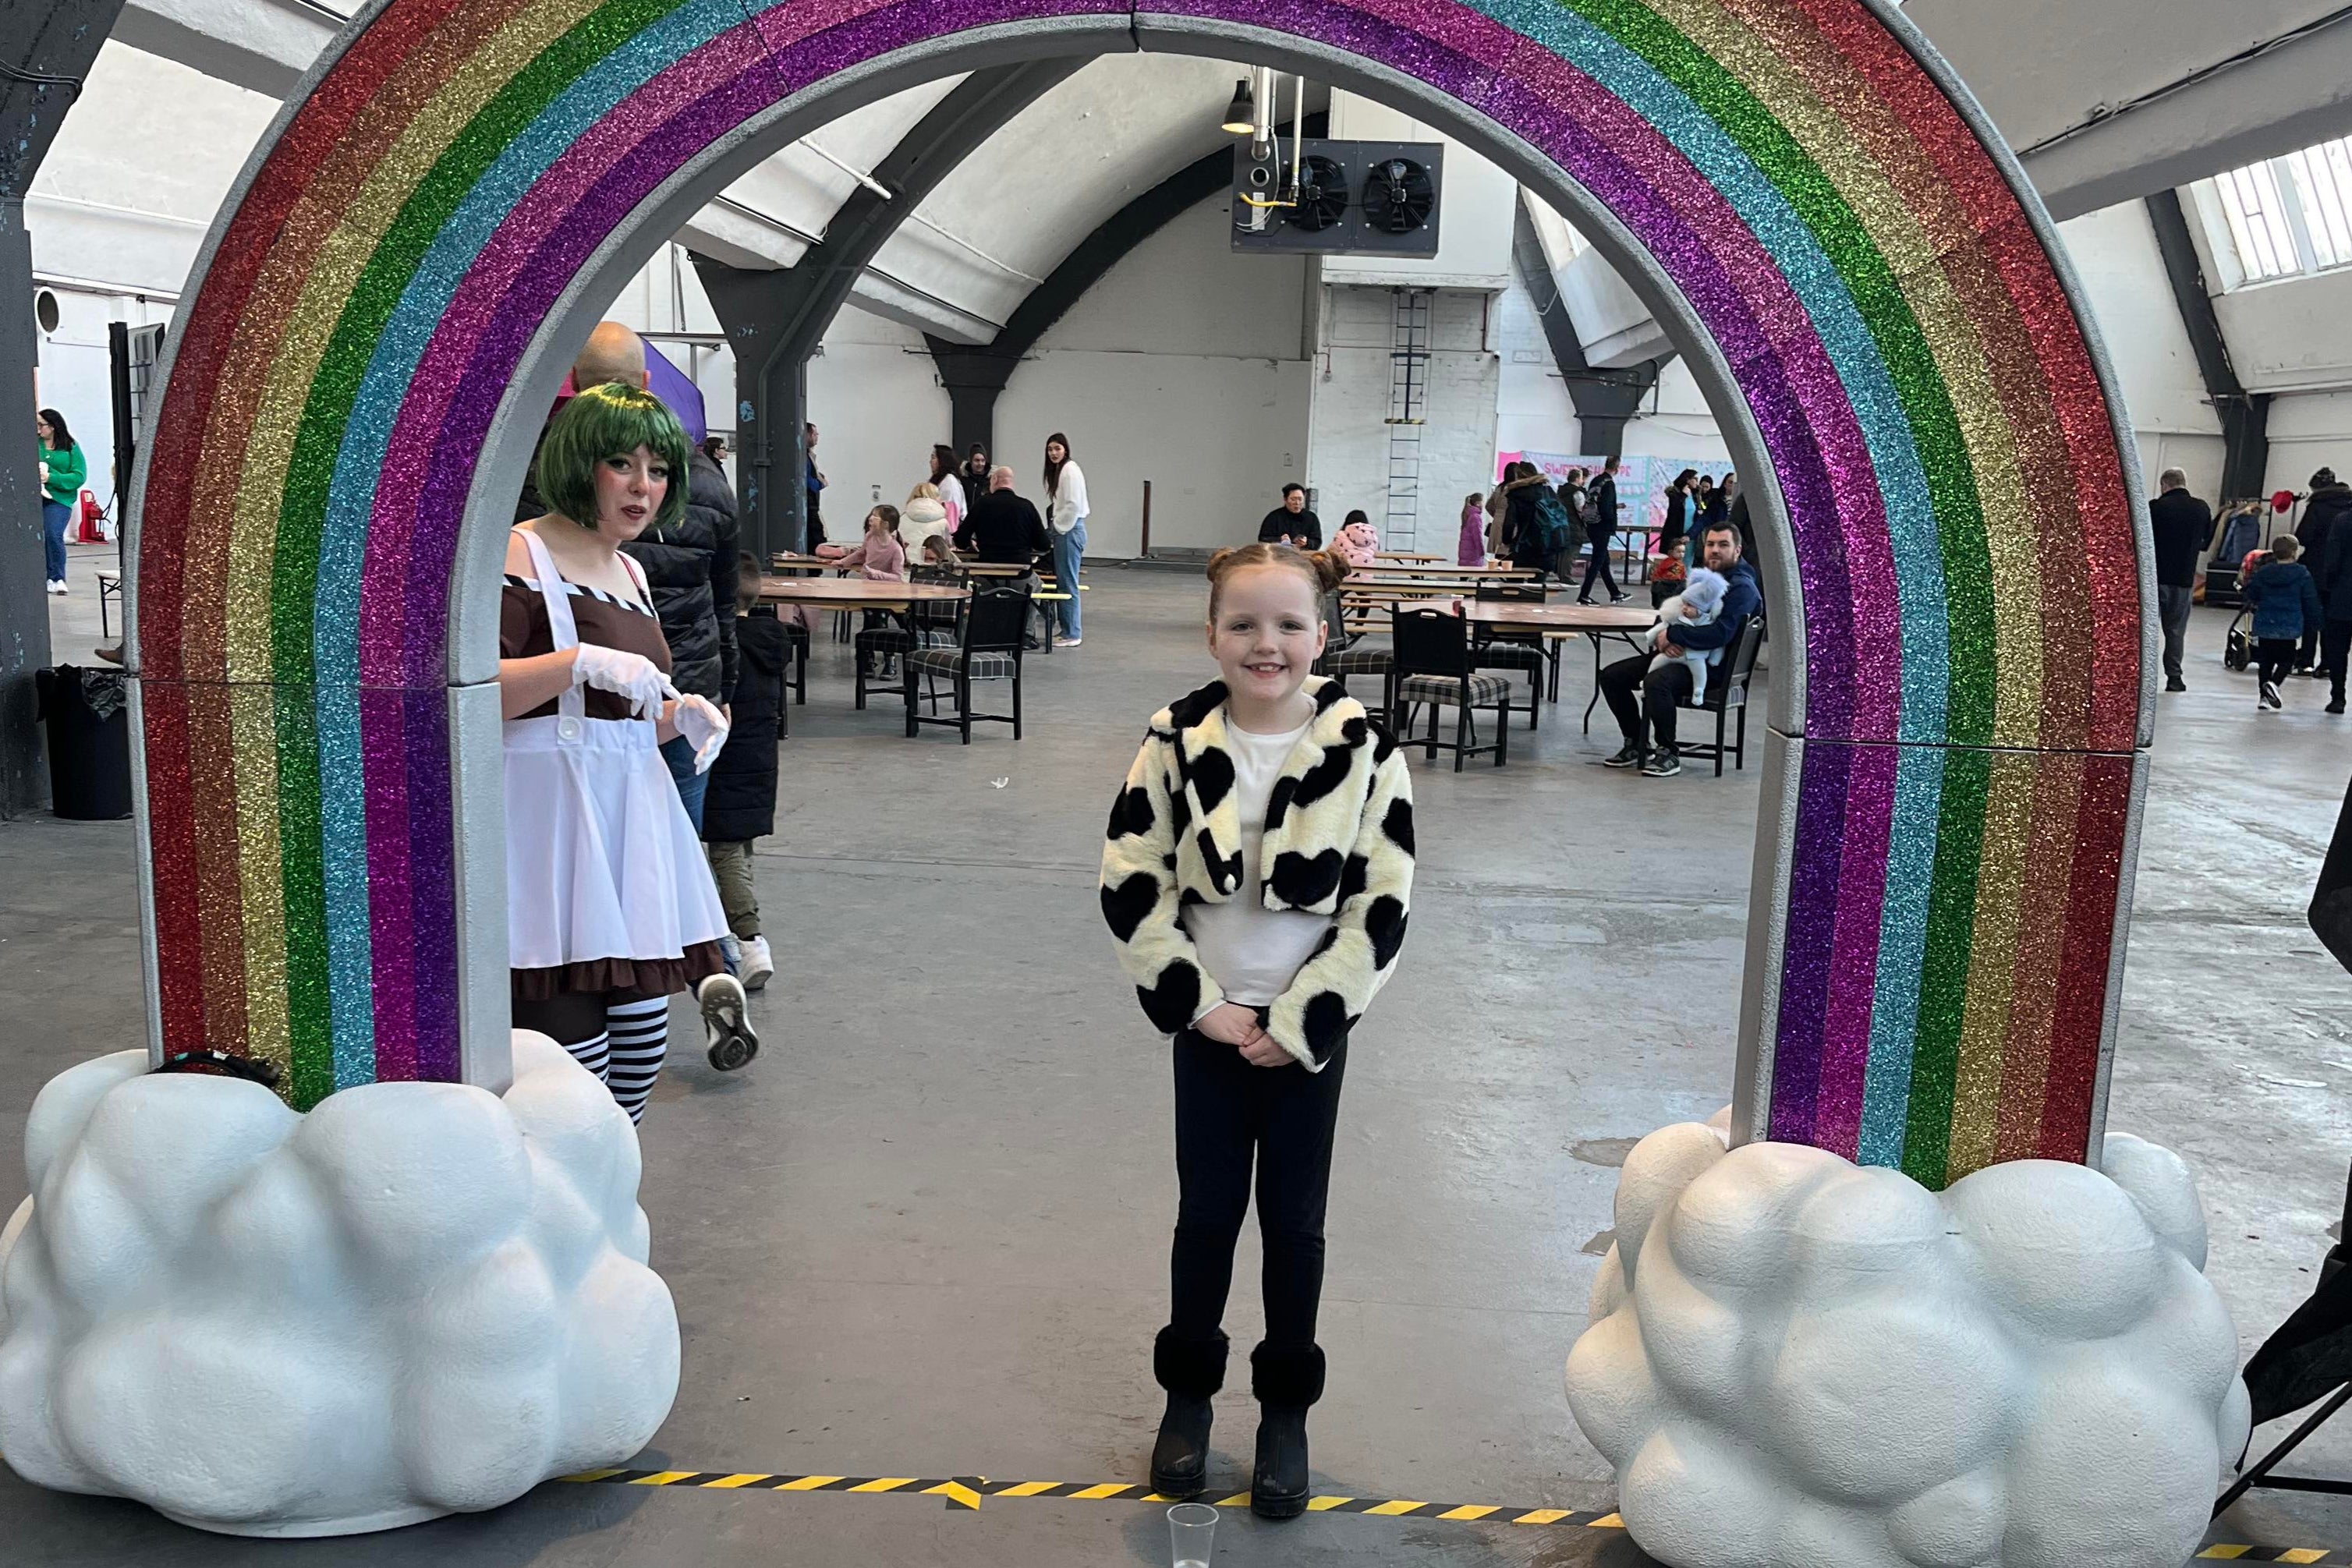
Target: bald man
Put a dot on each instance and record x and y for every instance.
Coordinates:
(614, 354)
(1003, 527)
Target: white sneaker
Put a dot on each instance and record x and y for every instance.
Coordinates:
(55, 587)
(758, 964)
(728, 1032)
(1068, 642)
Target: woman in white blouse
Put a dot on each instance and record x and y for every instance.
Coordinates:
(1065, 500)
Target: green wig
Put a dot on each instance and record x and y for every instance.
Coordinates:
(601, 422)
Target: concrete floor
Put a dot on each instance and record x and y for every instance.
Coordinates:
(926, 1234)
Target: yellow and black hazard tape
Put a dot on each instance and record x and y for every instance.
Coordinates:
(970, 1492)
(2228, 1552)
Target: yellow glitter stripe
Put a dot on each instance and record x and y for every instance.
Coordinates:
(253, 748)
(1783, 74)
(2034, 984)
(331, 276)
(1984, 1016)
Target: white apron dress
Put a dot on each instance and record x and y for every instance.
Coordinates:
(602, 859)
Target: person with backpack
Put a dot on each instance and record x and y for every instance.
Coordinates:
(1535, 531)
(1600, 520)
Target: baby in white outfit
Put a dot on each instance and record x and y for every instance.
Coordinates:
(1698, 605)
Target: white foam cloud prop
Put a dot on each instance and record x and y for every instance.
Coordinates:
(417, 1299)
(1798, 1362)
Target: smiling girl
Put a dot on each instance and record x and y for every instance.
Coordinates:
(610, 905)
(1257, 878)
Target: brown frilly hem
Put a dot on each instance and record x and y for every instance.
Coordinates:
(624, 979)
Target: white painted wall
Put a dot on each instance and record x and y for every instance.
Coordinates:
(1675, 422)
(1349, 446)
(2307, 434)
(1183, 367)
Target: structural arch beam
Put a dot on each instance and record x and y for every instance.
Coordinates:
(974, 374)
(775, 319)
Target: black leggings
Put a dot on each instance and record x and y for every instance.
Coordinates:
(1226, 1112)
(1599, 570)
(2274, 658)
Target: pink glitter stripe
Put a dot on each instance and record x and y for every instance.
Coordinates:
(1853, 949)
(391, 653)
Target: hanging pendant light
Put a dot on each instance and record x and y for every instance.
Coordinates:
(1240, 115)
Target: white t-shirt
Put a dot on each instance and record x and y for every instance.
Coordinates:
(1252, 952)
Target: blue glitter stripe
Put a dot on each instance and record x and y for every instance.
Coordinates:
(351, 502)
(342, 815)
(1901, 952)
(1909, 505)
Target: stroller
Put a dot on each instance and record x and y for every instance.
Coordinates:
(2241, 536)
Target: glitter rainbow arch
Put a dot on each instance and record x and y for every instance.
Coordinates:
(1853, 265)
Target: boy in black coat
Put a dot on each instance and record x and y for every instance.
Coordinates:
(741, 805)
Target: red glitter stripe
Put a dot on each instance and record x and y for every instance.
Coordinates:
(2007, 351)
(2034, 971)
(2109, 717)
(2082, 1004)
(385, 94)
(171, 863)
(220, 890)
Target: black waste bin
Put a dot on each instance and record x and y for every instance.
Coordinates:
(89, 716)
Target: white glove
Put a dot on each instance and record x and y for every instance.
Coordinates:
(632, 675)
(705, 728)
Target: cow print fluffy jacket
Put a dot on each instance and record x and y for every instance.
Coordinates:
(1339, 841)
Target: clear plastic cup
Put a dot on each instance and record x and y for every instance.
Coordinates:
(1192, 1535)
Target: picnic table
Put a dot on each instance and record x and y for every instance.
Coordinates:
(1622, 622)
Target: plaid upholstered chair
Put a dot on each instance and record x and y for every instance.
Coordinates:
(994, 627)
(1433, 669)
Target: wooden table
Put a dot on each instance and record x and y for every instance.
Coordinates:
(1402, 555)
(856, 593)
(1434, 569)
(1599, 622)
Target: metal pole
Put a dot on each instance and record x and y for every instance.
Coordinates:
(24, 596)
(1146, 551)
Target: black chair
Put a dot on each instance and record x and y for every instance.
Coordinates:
(1433, 668)
(994, 625)
(1512, 649)
(1727, 693)
(1346, 653)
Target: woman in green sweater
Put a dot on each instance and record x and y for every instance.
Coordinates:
(63, 473)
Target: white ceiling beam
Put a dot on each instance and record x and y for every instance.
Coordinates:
(2111, 101)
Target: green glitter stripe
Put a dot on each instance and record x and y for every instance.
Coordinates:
(310, 1044)
(326, 416)
(391, 268)
(1944, 967)
(1902, 343)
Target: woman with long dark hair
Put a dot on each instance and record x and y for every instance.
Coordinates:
(63, 470)
(945, 487)
(1066, 519)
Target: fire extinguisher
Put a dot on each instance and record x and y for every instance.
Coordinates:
(86, 530)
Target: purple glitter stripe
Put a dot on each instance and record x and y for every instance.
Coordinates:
(383, 745)
(1810, 941)
(1707, 262)
(504, 301)
(433, 887)
(1869, 820)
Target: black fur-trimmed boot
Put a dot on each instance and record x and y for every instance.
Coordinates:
(1191, 1370)
(1286, 1380)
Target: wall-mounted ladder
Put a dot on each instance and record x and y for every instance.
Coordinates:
(1408, 416)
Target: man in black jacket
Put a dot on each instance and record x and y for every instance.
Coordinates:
(2182, 525)
(1291, 522)
(2327, 518)
(2334, 570)
(1003, 527)
(1600, 524)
